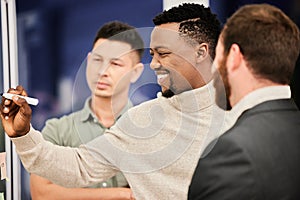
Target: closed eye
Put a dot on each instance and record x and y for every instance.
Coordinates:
(96, 57)
(117, 64)
(162, 54)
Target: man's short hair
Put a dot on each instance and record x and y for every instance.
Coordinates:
(268, 39)
(122, 32)
(195, 22)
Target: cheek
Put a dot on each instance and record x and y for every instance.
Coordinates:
(172, 64)
(123, 75)
(91, 73)
(92, 70)
(88, 73)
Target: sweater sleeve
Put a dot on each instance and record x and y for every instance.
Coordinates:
(69, 167)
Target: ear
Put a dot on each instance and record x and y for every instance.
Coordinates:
(136, 72)
(201, 51)
(88, 57)
(234, 58)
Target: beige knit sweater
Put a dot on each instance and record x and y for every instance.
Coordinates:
(156, 145)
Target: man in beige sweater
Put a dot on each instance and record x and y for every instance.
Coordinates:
(156, 144)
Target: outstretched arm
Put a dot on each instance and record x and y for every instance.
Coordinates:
(69, 167)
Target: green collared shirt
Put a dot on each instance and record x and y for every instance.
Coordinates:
(79, 128)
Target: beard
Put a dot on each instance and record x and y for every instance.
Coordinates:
(177, 85)
(167, 93)
(170, 91)
(221, 84)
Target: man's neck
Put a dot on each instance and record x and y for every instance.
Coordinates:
(107, 109)
(239, 91)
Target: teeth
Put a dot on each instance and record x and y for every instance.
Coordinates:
(162, 76)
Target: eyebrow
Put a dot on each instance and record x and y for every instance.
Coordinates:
(158, 47)
(114, 59)
(95, 53)
(117, 59)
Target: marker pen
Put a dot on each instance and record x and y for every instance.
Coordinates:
(29, 100)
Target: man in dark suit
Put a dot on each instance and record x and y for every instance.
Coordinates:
(259, 157)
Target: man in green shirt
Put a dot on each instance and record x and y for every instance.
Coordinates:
(110, 71)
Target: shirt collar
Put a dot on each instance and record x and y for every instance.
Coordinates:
(259, 96)
(87, 113)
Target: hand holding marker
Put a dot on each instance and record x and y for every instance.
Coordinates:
(29, 100)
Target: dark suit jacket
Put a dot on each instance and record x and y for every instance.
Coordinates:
(258, 158)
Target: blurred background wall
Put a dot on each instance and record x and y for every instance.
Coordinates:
(55, 37)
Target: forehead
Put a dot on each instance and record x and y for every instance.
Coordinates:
(111, 48)
(165, 35)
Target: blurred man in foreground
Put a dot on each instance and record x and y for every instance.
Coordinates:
(259, 157)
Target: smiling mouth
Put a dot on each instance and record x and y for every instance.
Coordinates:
(161, 78)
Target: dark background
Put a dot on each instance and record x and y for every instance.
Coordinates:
(55, 37)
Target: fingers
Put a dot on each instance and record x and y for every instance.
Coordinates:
(9, 105)
(16, 113)
(20, 89)
(19, 101)
(18, 105)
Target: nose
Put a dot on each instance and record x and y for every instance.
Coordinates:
(104, 69)
(154, 64)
